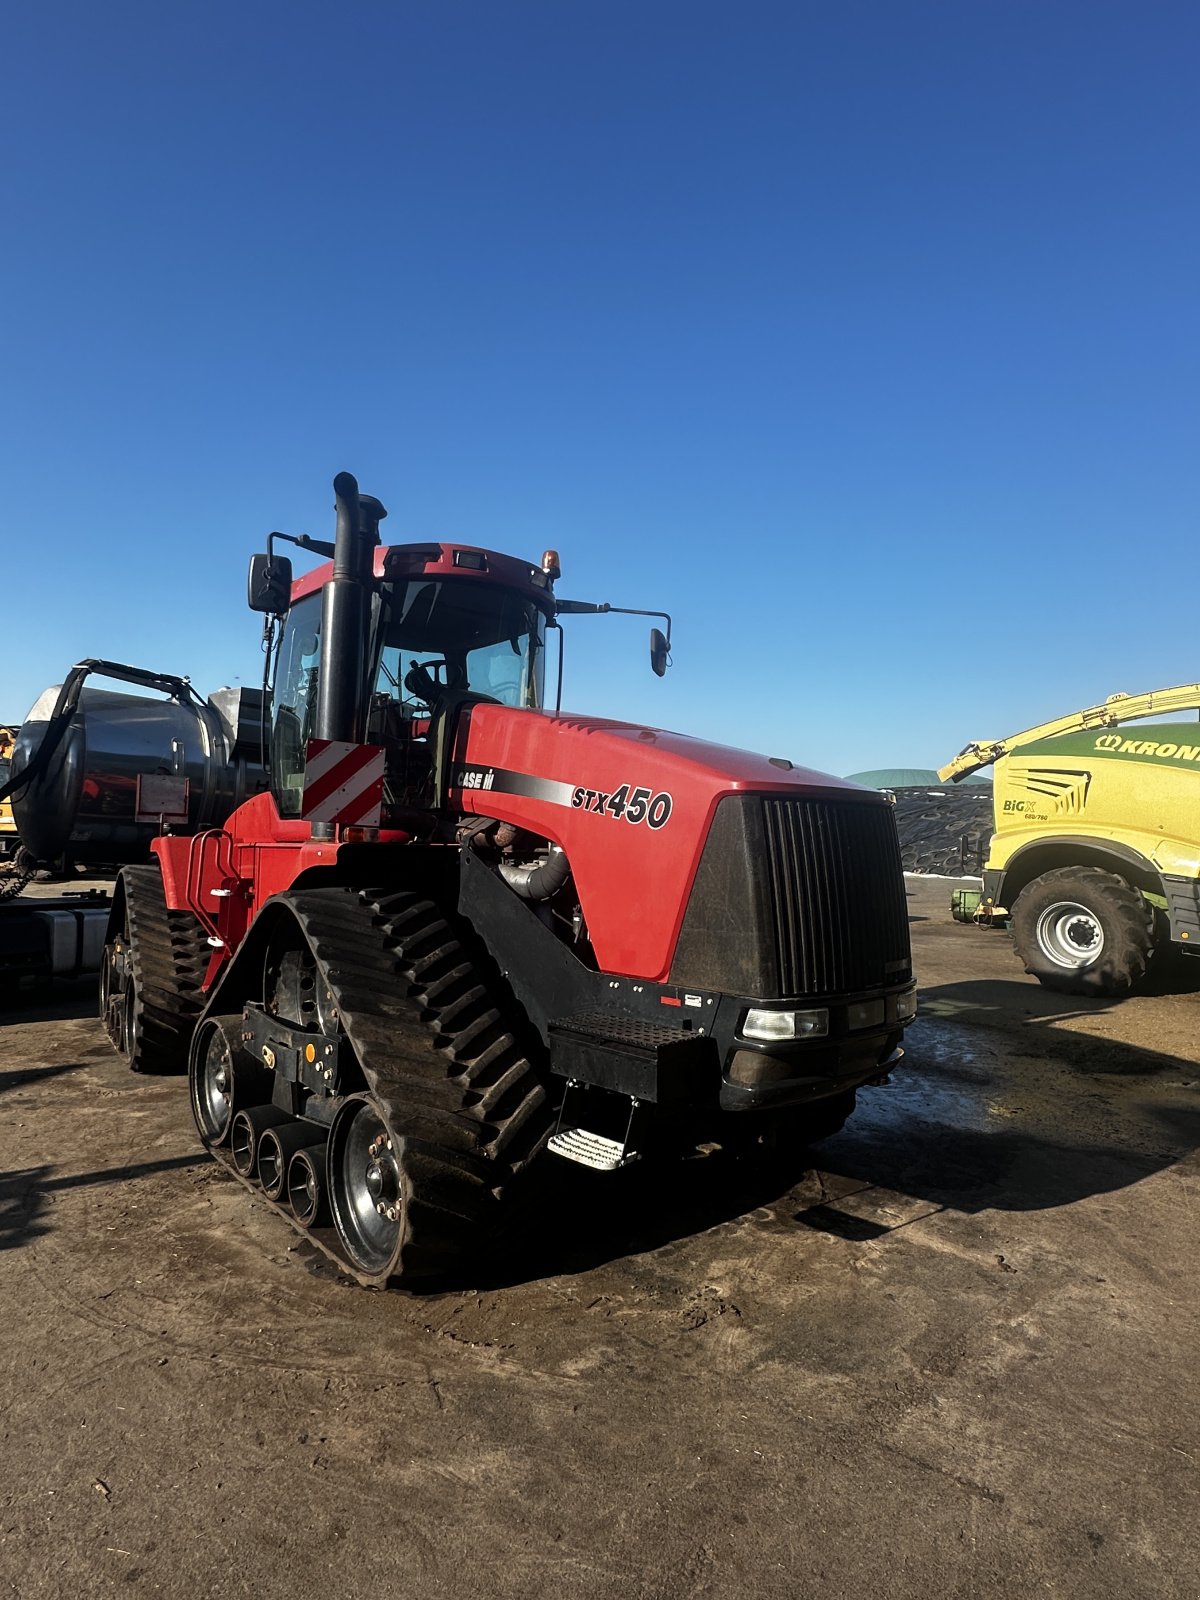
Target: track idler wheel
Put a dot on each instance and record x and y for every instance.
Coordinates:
(222, 1078)
(245, 1135)
(306, 1192)
(366, 1185)
(112, 992)
(276, 1147)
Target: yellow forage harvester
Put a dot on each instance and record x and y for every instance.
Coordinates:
(1095, 856)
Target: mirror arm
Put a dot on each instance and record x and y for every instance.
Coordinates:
(323, 547)
(586, 608)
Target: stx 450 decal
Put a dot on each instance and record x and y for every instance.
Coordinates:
(635, 805)
(629, 802)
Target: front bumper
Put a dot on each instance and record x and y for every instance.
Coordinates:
(755, 1080)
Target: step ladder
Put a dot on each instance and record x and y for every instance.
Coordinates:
(589, 1149)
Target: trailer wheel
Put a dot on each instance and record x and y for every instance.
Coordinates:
(150, 975)
(1081, 930)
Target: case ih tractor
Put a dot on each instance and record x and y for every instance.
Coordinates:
(460, 929)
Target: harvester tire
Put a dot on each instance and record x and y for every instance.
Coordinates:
(151, 972)
(1083, 931)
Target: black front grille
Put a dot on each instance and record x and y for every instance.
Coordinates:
(837, 895)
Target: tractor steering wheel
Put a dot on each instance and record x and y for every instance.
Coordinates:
(423, 684)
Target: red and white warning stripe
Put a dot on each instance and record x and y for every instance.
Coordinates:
(343, 783)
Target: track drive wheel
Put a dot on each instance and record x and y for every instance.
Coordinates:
(367, 1185)
(151, 971)
(1081, 930)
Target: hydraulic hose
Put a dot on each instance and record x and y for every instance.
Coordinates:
(67, 704)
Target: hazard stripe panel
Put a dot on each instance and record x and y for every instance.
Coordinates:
(343, 783)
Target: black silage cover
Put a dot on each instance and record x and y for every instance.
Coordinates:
(944, 831)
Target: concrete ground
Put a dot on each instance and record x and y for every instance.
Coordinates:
(950, 1354)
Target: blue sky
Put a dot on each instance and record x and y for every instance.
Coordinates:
(861, 337)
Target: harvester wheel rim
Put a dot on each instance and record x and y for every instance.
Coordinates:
(365, 1185)
(1070, 934)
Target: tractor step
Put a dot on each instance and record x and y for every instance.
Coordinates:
(591, 1149)
(585, 1146)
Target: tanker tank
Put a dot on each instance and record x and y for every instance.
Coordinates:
(108, 770)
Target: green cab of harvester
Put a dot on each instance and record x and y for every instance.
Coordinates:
(1095, 858)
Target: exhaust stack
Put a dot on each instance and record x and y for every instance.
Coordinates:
(345, 607)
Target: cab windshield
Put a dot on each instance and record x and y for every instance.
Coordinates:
(433, 637)
(462, 636)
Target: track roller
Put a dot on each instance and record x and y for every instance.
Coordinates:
(246, 1131)
(306, 1186)
(276, 1147)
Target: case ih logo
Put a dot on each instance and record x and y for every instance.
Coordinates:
(343, 783)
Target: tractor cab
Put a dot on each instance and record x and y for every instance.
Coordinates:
(385, 647)
(435, 642)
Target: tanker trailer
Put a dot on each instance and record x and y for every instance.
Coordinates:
(8, 828)
(97, 773)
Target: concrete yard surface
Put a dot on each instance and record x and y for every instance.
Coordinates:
(948, 1353)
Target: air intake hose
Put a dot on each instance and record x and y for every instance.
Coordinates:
(538, 880)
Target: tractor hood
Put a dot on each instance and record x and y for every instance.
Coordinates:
(630, 805)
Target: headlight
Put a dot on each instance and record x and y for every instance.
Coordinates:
(866, 1014)
(773, 1025)
(906, 1005)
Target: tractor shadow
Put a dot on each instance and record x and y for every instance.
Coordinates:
(1016, 1116)
(50, 1000)
(23, 1204)
(27, 1193)
(999, 1106)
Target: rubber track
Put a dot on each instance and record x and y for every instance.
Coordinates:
(169, 957)
(438, 1052)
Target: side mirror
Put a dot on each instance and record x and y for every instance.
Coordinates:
(269, 586)
(660, 650)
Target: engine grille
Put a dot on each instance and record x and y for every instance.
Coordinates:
(837, 895)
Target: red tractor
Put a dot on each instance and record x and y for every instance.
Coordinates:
(461, 929)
